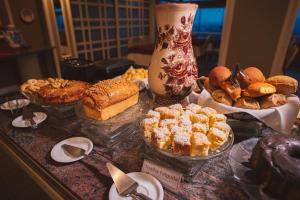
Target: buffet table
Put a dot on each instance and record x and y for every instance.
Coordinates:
(89, 178)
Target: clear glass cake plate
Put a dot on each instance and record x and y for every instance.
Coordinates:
(211, 154)
(189, 166)
(59, 111)
(111, 131)
(239, 156)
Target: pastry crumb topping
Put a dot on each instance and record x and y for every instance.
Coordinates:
(193, 131)
(182, 138)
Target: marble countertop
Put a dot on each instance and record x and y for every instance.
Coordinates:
(89, 178)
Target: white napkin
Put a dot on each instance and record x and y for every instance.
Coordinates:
(280, 118)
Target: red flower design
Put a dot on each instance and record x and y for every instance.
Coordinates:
(180, 68)
(177, 70)
(183, 41)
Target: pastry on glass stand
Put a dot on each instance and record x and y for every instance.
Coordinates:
(53, 91)
(108, 98)
(31, 87)
(190, 131)
(60, 91)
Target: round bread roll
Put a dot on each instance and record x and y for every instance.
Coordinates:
(272, 100)
(247, 102)
(222, 97)
(259, 89)
(253, 74)
(284, 84)
(218, 75)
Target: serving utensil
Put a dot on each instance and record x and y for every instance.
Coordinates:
(73, 151)
(28, 117)
(125, 185)
(233, 77)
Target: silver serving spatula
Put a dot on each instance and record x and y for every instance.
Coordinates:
(125, 185)
(73, 151)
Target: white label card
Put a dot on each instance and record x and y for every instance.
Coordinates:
(168, 177)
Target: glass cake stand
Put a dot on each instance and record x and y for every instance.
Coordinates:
(114, 130)
(59, 111)
(189, 166)
(238, 158)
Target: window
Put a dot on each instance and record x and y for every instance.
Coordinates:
(95, 22)
(60, 23)
(296, 31)
(207, 19)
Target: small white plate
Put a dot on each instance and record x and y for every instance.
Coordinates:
(15, 104)
(39, 117)
(148, 185)
(59, 155)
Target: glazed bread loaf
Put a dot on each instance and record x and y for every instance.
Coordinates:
(259, 89)
(248, 103)
(284, 84)
(108, 98)
(272, 100)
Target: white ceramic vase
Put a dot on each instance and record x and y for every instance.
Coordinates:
(173, 67)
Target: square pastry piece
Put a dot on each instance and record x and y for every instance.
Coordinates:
(200, 127)
(161, 109)
(223, 127)
(187, 113)
(176, 107)
(207, 111)
(150, 123)
(184, 121)
(167, 113)
(199, 118)
(182, 143)
(168, 123)
(200, 145)
(217, 118)
(195, 108)
(153, 114)
(161, 138)
(177, 130)
(216, 138)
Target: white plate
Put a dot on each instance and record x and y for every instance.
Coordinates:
(148, 185)
(58, 154)
(15, 104)
(39, 117)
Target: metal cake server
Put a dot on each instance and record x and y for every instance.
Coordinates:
(125, 185)
(73, 151)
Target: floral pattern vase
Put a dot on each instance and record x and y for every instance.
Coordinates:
(173, 67)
